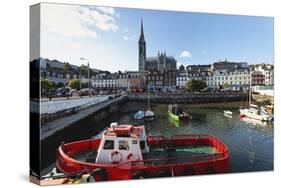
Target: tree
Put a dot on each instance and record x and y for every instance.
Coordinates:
(195, 85)
(84, 85)
(46, 84)
(74, 84)
(66, 67)
(226, 85)
(83, 69)
(60, 84)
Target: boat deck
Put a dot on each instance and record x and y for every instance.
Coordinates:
(180, 151)
(156, 153)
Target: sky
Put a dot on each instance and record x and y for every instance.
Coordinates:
(108, 37)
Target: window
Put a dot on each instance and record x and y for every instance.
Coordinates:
(142, 144)
(134, 142)
(108, 144)
(123, 145)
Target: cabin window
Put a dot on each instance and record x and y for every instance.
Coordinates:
(108, 144)
(142, 145)
(134, 142)
(123, 145)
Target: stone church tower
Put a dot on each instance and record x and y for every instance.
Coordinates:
(142, 51)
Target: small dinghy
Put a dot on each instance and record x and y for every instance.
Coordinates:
(139, 115)
(227, 112)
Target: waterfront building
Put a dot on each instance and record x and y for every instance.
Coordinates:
(161, 62)
(154, 80)
(182, 79)
(258, 78)
(233, 80)
(198, 68)
(228, 65)
(131, 81)
(199, 72)
(158, 81)
(235, 75)
(104, 81)
(169, 80)
(123, 80)
(268, 71)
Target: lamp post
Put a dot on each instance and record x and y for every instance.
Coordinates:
(88, 74)
(80, 81)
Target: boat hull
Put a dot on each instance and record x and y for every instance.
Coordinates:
(226, 112)
(189, 165)
(173, 116)
(248, 113)
(140, 115)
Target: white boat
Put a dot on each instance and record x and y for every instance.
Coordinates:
(227, 112)
(149, 113)
(254, 114)
(253, 111)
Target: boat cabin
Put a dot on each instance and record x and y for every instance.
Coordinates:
(175, 109)
(121, 143)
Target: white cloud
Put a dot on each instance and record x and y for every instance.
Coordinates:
(77, 21)
(204, 52)
(106, 10)
(185, 53)
(125, 37)
(64, 20)
(99, 19)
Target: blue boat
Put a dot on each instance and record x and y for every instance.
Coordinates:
(139, 115)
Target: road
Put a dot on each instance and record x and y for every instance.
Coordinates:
(53, 106)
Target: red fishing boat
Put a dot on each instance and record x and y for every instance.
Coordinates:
(126, 152)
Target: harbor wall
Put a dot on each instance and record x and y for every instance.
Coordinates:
(191, 98)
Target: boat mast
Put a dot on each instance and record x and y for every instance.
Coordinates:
(148, 97)
(250, 92)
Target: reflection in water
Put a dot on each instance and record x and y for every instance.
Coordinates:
(254, 122)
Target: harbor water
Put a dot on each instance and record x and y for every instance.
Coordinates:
(250, 142)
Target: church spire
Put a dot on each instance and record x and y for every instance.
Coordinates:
(141, 27)
(142, 50)
(142, 34)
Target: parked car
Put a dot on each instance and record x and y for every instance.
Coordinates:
(63, 92)
(85, 92)
(205, 90)
(226, 89)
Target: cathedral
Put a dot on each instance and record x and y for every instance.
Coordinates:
(161, 62)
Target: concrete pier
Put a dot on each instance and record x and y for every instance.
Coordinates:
(52, 127)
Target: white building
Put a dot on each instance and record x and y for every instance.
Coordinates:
(182, 79)
(56, 77)
(130, 79)
(238, 79)
(104, 81)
